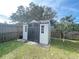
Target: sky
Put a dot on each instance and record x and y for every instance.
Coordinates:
(62, 7)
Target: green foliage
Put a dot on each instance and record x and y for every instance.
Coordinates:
(65, 25)
(26, 14)
(19, 15)
(75, 27)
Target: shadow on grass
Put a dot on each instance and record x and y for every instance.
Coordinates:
(66, 45)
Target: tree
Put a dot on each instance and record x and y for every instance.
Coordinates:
(33, 12)
(19, 15)
(75, 27)
(65, 25)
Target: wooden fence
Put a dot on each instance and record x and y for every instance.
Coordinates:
(68, 35)
(9, 32)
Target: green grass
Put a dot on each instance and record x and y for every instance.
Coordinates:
(57, 50)
(7, 47)
(68, 45)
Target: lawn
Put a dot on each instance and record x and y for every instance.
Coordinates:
(7, 47)
(57, 50)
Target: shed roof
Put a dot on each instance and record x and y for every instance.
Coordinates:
(41, 22)
(34, 21)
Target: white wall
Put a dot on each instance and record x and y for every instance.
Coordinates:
(25, 33)
(44, 37)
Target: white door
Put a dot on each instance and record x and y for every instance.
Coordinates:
(25, 31)
(44, 33)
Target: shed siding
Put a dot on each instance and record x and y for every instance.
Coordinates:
(33, 32)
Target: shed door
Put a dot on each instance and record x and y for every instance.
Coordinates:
(25, 31)
(33, 32)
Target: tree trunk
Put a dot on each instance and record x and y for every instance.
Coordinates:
(62, 35)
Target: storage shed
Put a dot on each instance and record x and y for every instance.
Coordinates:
(37, 31)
